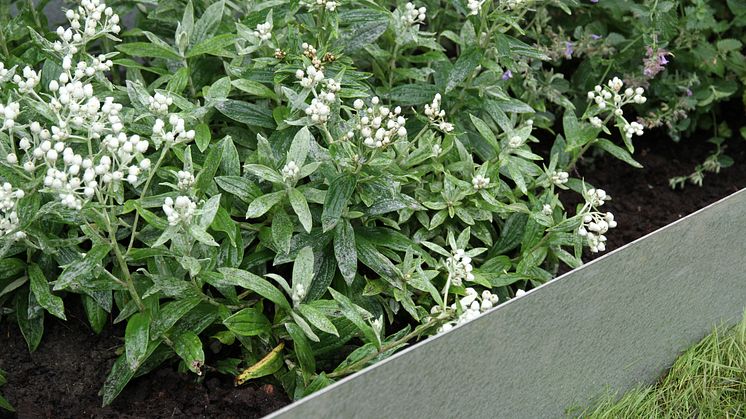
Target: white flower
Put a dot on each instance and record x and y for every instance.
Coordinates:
(379, 125)
(179, 211)
(318, 111)
(520, 293)
(546, 209)
(459, 267)
(595, 224)
(263, 31)
(9, 222)
(474, 6)
(185, 179)
(290, 171)
(299, 293)
(437, 115)
(515, 141)
(480, 182)
(559, 178)
(413, 16)
(159, 103)
(632, 129)
(328, 5)
(177, 134)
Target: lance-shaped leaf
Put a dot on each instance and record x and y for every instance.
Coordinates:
(270, 364)
(336, 200)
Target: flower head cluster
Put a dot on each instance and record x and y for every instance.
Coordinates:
(176, 134)
(329, 5)
(6, 73)
(379, 125)
(309, 78)
(595, 223)
(412, 15)
(159, 103)
(290, 171)
(320, 108)
(473, 305)
(475, 6)
(437, 115)
(611, 98)
(179, 211)
(88, 21)
(459, 267)
(28, 81)
(9, 113)
(8, 216)
(298, 294)
(264, 31)
(559, 178)
(480, 182)
(185, 180)
(655, 61)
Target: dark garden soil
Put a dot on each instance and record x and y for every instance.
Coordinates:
(62, 378)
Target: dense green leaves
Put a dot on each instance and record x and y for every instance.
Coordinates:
(337, 198)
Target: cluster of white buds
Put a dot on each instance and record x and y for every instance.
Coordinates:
(437, 149)
(437, 115)
(480, 182)
(320, 108)
(512, 4)
(5, 73)
(309, 78)
(547, 209)
(633, 128)
(459, 267)
(299, 293)
(595, 223)
(88, 21)
(185, 180)
(474, 6)
(264, 31)
(412, 15)
(290, 171)
(8, 216)
(519, 293)
(177, 133)
(28, 81)
(312, 53)
(515, 141)
(328, 5)
(159, 103)
(559, 178)
(179, 211)
(379, 125)
(9, 112)
(473, 305)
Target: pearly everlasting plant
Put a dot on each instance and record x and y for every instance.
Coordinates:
(293, 181)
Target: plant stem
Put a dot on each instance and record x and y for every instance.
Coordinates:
(164, 150)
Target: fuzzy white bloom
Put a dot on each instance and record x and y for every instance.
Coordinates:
(412, 15)
(515, 141)
(480, 182)
(459, 267)
(437, 149)
(9, 222)
(546, 209)
(9, 113)
(176, 134)
(298, 294)
(328, 5)
(560, 178)
(159, 103)
(611, 98)
(318, 111)
(379, 125)
(596, 122)
(185, 180)
(473, 305)
(595, 224)
(474, 6)
(263, 31)
(520, 293)
(6, 74)
(179, 211)
(290, 171)
(437, 115)
(634, 128)
(310, 78)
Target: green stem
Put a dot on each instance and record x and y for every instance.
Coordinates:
(164, 150)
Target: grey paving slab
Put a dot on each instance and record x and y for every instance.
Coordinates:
(617, 322)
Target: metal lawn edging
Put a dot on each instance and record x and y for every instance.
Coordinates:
(615, 323)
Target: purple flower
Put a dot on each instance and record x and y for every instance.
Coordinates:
(596, 37)
(594, 1)
(688, 91)
(507, 75)
(568, 49)
(655, 61)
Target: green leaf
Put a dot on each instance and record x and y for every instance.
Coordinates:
(209, 168)
(239, 187)
(82, 268)
(363, 26)
(30, 318)
(264, 203)
(302, 350)
(136, 339)
(170, 313)
(617, 152)
(375, 260)
(97, 316)
(247, 113)
(4, 404)
(317, 318)
(282, 230)
(464, 66)
(209, 210)
(148, 50)
(485, 132)
(303, 268)
(351, 311)
(40, 287)
(336, 200)
(230, 162)
(271, 363)
(412, 94)
(254, 88)
(345, 251)
(248, 322)
(208, 22)
(299, 147)
(264, 172)
(300, 206)
(212, 46)
(259, 285)
(202, 136)
(220, 89)
(189, 348)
